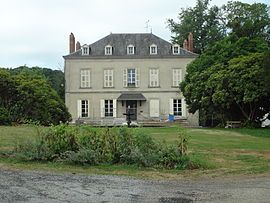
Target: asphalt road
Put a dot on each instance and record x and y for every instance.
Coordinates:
(26, 186)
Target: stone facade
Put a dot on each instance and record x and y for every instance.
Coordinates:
(95, 82)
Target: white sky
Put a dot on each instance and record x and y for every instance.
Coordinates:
(36, 33)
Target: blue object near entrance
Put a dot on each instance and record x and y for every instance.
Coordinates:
(171, 117)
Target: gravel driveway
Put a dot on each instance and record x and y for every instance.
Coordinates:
(25, 186)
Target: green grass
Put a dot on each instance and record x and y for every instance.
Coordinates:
(219, 151)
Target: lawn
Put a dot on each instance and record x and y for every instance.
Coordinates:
(222, 152)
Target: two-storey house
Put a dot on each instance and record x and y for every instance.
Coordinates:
(140, 72)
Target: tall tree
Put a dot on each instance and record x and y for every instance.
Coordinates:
(203, 21)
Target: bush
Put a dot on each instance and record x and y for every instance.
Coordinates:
(4, 116)
(87, 145)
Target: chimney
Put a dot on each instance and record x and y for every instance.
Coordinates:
(185, 44)
(71, 43)
(78, 46)
(190, 42)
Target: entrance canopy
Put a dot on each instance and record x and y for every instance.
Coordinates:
(128, 96)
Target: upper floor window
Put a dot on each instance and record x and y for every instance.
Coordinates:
(85, 78)
(85, 50)
(153, 49)
(108, 50)
(108, 78)
(177, 77)
(154, 77)
(176, 49)
(130, 49)
(131, 77)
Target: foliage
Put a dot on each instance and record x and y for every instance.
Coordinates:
(203, 21)
(29, 97)
(55, 78)
(4, 116)
(211, 24)
(87, 145)
(228, 80)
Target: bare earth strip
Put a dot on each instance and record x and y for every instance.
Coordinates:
(27, 186)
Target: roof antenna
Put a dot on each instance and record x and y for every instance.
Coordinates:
(147, 26)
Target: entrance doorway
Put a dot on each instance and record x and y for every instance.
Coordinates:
(132, 104)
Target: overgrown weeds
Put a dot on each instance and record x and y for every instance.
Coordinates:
(94, 146)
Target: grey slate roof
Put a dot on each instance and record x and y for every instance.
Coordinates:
(141, 41)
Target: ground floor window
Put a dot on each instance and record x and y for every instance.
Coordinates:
(108, 104)
(84, 108)
(177, 107)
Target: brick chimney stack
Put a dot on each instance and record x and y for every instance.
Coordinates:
(71, 43)
(78, 46)
(190, 42)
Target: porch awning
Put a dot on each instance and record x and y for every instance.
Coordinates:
(127, 96)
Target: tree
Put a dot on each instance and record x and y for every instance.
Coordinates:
(228, 80)
(203, 21)
(28, 96)
(247, 20)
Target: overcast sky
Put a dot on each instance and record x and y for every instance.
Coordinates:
(36, 33)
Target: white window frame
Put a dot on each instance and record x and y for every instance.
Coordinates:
(108, 50)
(177, 76)
(130, 49)
(85, 76)
(153, 77)
(176, 47)
(125, 77)
(108, 78)
(177, 107)
(153, 49)
(108, 108)
(83, 108)
(103, 109)
(85, 50)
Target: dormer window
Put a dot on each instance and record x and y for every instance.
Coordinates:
(108, 50)
(176, 49)
(130, 49)
(153, 49)
(85, 49)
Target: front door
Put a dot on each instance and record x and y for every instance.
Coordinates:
(132, 105)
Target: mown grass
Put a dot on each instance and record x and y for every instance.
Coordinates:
(220, 152)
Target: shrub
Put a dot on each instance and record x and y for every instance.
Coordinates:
(4, 116)
(87, 145)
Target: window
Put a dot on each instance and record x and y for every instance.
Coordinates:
(130, 49)
(177, 107)
(176, 49)
(108, 108)
(108, 78)
(131, 77)
(85, 78)
(85, 50)
(108, 50)
(154, 77)
(177, 77)
(153, 49)
(84, 108)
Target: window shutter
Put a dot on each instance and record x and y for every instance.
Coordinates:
(104, 78)
(88, 108)
(157, 76)
(171, 106)
(79, 108)
(154, 108)
(102, 108)
(125, 78)
(184, 108)
(114, 108)
(180, 75)
(137, 75)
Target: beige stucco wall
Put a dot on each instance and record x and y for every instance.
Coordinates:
(98, 92)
